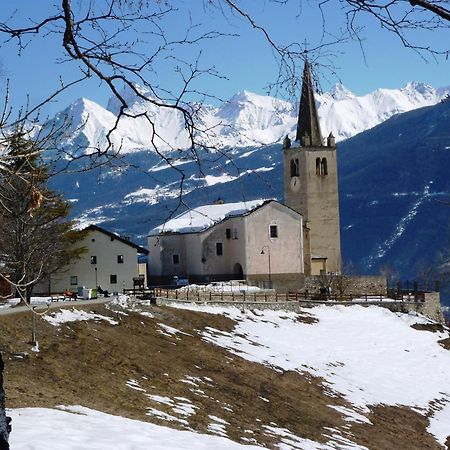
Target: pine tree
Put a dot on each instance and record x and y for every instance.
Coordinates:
(36, 237)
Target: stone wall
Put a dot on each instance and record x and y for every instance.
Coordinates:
(430, 307)
(353, 285)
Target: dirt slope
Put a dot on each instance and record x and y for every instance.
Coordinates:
(91, 364)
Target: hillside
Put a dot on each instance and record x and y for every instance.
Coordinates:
(271, 379)
(393, 180)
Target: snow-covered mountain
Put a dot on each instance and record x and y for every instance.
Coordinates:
(393, 179)
(247, 119)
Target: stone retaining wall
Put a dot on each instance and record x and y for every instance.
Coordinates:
(430, 307)
(348, 284)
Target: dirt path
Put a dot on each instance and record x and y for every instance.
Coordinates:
(53, 305)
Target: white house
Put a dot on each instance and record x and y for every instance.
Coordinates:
(260, 241)
(111, 261)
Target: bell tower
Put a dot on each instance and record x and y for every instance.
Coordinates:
(311, 184)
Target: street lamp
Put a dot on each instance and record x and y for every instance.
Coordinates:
(270, 271)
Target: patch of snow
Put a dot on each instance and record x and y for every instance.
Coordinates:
(161, 399)
(74, 315)
(121, 300)
(81, 428)
(185, 409)
(290, 441)
(439, 423)
(217, 428)
(218, 420)
(351, 415)
(211, 180)
(385, 246)
(369, 355)
(171, 330)
(188, 379)
(165, 416)
(134, 384)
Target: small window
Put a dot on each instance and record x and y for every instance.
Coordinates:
(294, 167)
(176, 258)
(73, 280)
(219, 248)
(113, 279)
(317, 166)
(120, 259)
(324, 167)
(93, 260)
(235, 233)
(228, 233)
(273, 231)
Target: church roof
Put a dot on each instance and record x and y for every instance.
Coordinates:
(203, 217)
(308, 119)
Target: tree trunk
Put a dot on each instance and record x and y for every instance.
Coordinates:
(29, 290)
(5, 427)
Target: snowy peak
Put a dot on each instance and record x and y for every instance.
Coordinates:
(417, 89)
(340, 92)
(247, 119)
(130, 97)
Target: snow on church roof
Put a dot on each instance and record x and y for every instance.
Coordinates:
(204, 217)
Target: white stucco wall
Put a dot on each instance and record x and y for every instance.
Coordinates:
(248, 235)
(286, 251)
(106, 249)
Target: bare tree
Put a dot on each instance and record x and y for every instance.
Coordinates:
(128, 42)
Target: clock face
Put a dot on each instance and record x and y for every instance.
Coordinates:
(295, 184)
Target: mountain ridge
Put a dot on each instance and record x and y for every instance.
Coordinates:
(246, 119)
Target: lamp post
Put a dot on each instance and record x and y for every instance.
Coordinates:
(270, 271)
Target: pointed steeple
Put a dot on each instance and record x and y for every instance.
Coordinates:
(308, 120)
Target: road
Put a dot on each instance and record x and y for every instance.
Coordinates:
(54, 305)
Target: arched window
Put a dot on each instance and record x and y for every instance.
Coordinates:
(324, 167)
(294, 168)
(317, 166)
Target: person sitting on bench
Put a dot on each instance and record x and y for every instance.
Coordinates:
(70, 294)
(102, 292)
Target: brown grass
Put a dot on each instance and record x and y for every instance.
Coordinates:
(89, 363)
(434, 327)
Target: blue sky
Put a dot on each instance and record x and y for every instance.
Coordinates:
(245, 60)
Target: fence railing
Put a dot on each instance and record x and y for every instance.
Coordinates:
(273, 296)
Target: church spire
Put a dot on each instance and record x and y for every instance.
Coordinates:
(308, 126)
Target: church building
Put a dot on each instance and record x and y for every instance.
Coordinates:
(263, 242)
(311, 184)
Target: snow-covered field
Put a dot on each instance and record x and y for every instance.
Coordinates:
(82, 428)
(368, 355)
